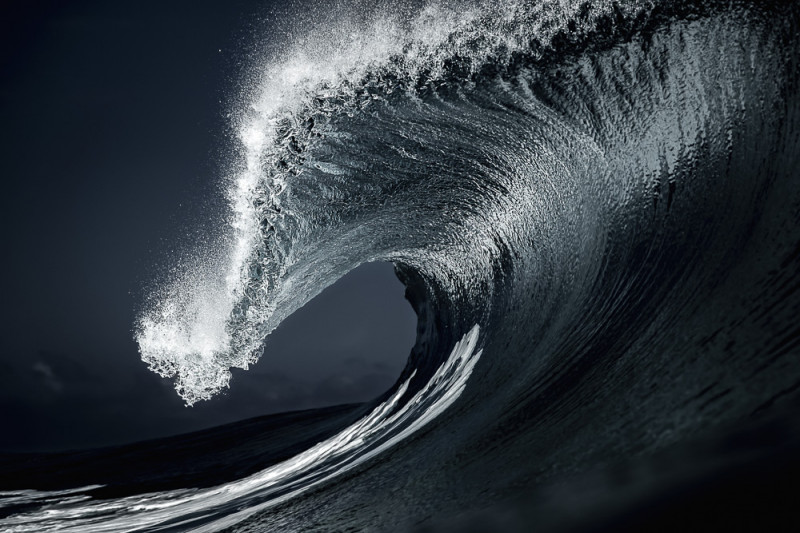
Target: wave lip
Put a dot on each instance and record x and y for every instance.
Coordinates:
(215, 313)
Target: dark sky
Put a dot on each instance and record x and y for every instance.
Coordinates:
(113, 144)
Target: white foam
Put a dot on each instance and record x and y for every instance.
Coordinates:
(214, 315)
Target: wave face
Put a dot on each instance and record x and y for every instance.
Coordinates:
(594, 206)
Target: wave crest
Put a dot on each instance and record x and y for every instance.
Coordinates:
(214, 315)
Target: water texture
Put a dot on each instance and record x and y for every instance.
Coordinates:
(594, 207)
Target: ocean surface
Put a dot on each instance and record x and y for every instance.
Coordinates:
(595, 209)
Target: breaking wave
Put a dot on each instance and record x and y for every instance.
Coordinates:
(595, 203)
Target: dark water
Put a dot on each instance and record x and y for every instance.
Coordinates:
(594, 208)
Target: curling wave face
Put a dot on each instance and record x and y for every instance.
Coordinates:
(350, 157)
(607, 191)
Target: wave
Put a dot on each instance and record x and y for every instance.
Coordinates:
(594, 207)
(309, 184)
